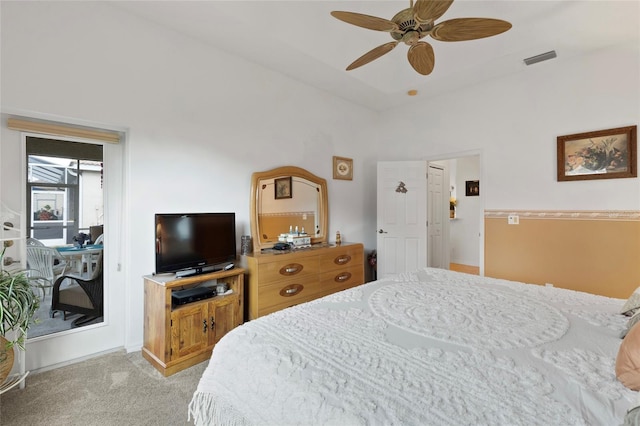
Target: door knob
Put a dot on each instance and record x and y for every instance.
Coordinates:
(382, 232)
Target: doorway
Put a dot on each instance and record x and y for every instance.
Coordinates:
(65, 202)
(56, 349)
(466, 227)
(412, 216)
(430, 237)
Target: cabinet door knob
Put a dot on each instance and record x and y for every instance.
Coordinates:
(204, 326)
(213, 323)
(341, 260)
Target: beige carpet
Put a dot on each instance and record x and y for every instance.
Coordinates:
(112, 389)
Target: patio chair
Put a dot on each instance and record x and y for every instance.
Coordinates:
(93, 258)
(60, 264)
(76, 294)
(40, 267)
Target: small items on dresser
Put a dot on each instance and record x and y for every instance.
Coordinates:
(296, 239)
(338, 238)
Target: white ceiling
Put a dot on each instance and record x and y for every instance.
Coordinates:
(302, 40)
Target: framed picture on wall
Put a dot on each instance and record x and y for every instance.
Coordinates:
(283, 188)
(472, 188)
(342, 168)
(603, 154)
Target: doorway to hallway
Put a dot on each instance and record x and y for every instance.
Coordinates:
(466, 228)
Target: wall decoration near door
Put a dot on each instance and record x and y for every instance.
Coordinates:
(402, 188)
(472, 188)
(342, 168)
(603, 154)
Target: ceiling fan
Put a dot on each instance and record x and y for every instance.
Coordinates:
(416, 22)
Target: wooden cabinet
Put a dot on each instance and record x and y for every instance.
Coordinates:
(278, 280)
(177, 337)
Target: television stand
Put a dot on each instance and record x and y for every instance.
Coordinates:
(177, 337)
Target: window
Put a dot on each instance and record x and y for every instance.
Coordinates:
(64, 187)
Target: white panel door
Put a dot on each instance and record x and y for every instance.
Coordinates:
(401, 216)
(438, 191)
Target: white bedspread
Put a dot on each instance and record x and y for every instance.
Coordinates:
(433, 347)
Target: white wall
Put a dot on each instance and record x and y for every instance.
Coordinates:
(199, 122)
(515, 121)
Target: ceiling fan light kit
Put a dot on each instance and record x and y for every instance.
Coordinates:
(416, 22)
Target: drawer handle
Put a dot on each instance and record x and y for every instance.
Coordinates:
(291, 269)
(341, 260)
(343, 277)
(291, 290)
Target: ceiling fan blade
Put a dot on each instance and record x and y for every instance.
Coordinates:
(427, 11)
(463, 29)
(422, 58)
(372, 54)
(365, 21)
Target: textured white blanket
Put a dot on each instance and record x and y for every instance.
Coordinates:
(433, 347)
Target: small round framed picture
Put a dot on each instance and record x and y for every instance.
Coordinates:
(342, 168)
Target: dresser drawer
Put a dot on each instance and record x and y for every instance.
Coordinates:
(339, 280)
(280, 280)
(287, 293)
(341, 257)
(301, 268)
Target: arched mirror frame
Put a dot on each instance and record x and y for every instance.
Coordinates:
(279, 172)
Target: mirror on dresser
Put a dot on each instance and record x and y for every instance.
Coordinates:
(285, 198)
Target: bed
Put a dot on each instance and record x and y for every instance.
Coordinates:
(432, 347)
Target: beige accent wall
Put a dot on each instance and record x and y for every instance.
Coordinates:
(592, 251)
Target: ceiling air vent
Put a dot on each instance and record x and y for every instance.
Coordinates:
(541, 57)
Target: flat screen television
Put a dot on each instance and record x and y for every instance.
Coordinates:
(194, 243)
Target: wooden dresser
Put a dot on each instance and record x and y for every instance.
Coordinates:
(278, 280)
